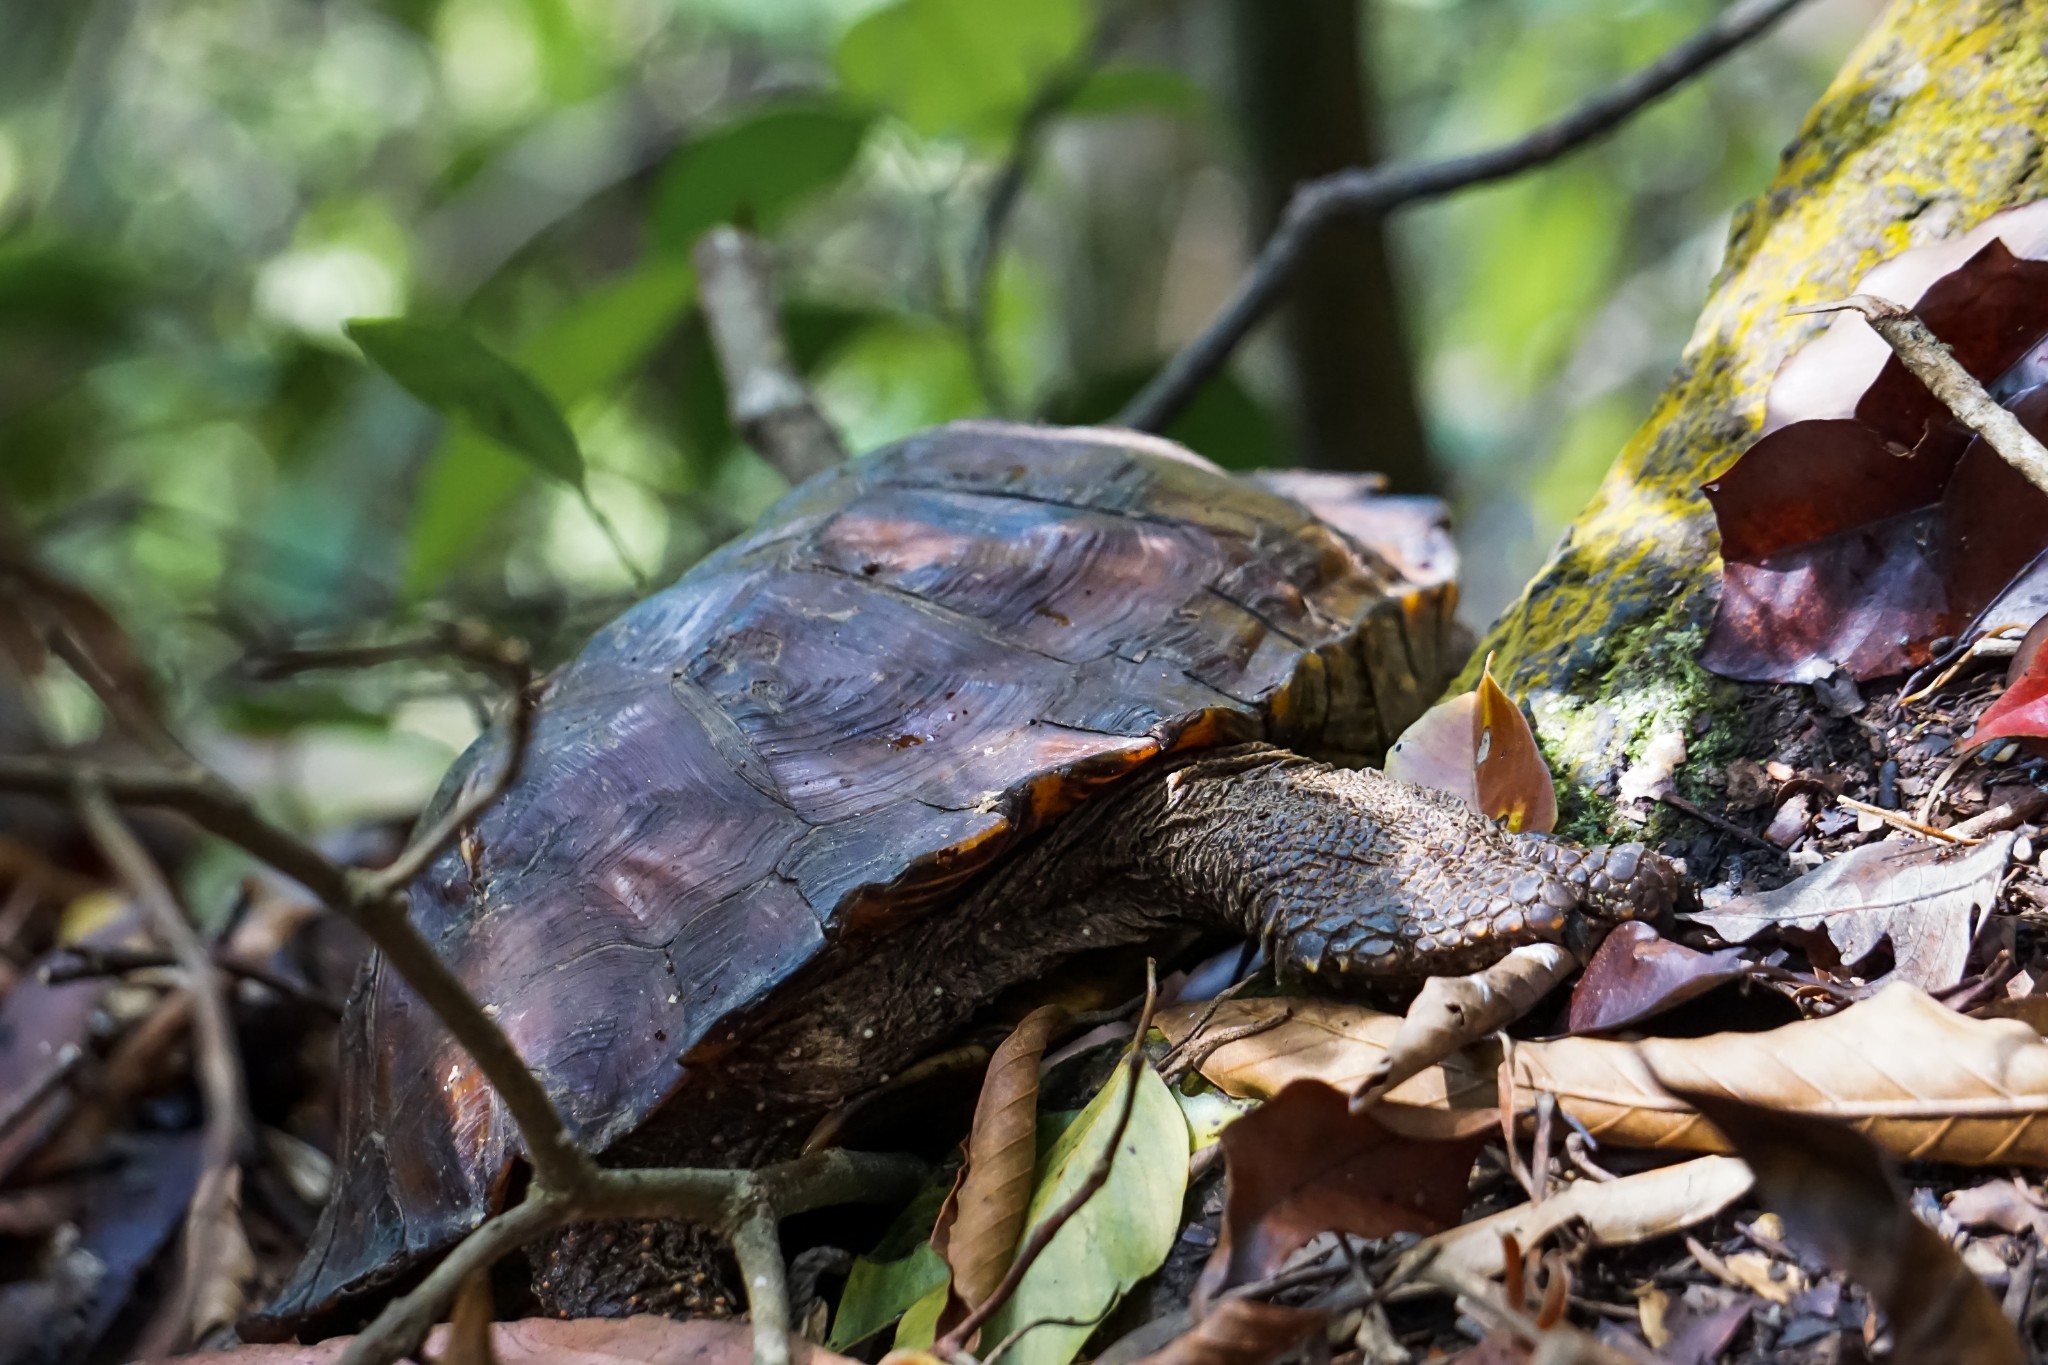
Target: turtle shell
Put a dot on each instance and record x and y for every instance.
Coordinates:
(821, 733)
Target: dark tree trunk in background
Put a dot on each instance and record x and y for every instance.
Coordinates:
(1307, 109)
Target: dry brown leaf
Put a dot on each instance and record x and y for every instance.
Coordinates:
(1303, 1163)
(1924, 897)
(1615, 1213)
(1337, 1043)
(1478, 747)
(1919, 1079)
(1240, 1332)
(579, 1341)
(230, 1265)
(1002, 1147)
(1452, 1011)
(1837, 1191)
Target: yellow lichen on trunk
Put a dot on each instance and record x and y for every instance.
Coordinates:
(1937, 121)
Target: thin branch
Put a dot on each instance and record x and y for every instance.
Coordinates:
(26, 1100)
(1381, 188)
(403, 1325)
(772, 408)
(88, 961)
(218, 1064)
(1006, 190)
(1930, 361)
(757, 1245)
(509, 659)
(955, 1341)
(722, 1199)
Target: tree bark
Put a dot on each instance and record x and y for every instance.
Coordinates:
(1936, 121)
(1307, 110)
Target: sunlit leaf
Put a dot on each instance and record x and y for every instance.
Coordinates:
(879, 1292)
(590, 347)
(755, 170)
(450, 370)
(958, 66)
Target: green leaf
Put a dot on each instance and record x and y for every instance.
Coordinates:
(879, 1292)
(448, 369)
(1117, 1238)
(756, 170)
(1133, 89)
(959, 66)
(589, 348)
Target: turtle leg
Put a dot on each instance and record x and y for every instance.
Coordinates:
(1348, 873)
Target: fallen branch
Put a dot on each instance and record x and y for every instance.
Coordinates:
(771, 407)
(219, 1067)
(742, 1206)
(1929, 360)
(1381, 188)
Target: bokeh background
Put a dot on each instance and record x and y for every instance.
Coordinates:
(194, 197)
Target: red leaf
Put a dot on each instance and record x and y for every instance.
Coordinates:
(1637, 973)
(2021, 711)
(1867, 522)
(579, 1341)
(1303, 1164)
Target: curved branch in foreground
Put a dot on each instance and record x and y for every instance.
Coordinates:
(1381, 188)
(744, 1206)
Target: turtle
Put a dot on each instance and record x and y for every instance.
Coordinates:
(952, 713)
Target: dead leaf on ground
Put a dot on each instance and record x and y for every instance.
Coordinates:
(1924, 897)
(1240, 1332)
(2021, 711)
(1338, 1043)
(1620, 1212)
(1002, 1147)
(2001, 1204)
(1452, 1011)
(1922, 1081)
(1637, 973)
(1867, 522)
(1304, 1164)
(578, 1341)
(1701, 1335)
(1837, 1191)
(1478, 747)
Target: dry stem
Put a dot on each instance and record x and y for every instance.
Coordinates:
(1361, 191)
(771, 407)
(1930, 361)
(219, 1066)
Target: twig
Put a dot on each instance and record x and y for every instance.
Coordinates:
(1197, 1054)
(757, 1246)
(24, 1101)
(361, 897)
(1930, 361)
(955, 1341)
(1005, 191)
(1722, 823)
(219, 1065)
(89, 961)
(771, 407)
(1376, 190)
(1170, 1065)
(1904, 822)
(722, 1199)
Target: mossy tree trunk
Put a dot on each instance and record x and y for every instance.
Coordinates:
(1937, 121)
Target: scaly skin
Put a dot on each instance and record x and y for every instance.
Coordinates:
(1351, 874)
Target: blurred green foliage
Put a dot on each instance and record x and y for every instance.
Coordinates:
(196, 199)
